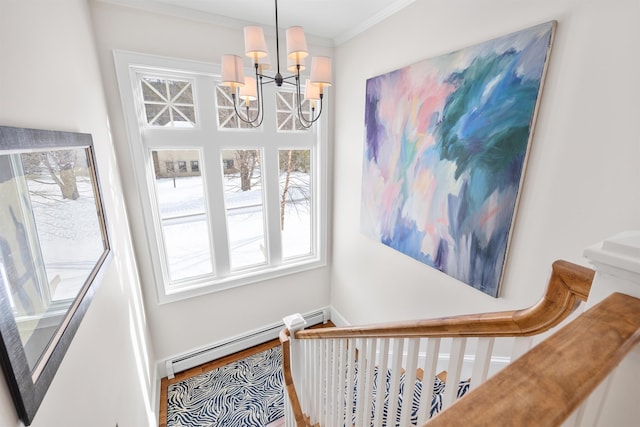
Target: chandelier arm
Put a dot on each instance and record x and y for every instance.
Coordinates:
(260, 101)
(286, 79)
(257, 120)
(253, 122)
(301, 118)
(306, 123)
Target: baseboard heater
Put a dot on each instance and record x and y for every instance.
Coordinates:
(236, 344)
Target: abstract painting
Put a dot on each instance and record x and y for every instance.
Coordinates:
(446, 144)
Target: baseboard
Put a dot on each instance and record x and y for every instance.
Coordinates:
(233, 345)
(337, 318)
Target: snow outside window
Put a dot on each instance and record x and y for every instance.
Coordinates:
(221, 209)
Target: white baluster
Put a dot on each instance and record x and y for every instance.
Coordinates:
(520, 346)
(315, 395)
(482, 361)
(362, 369)
(331, 377)
(453, 371)
(382, 378)
(429, 367)
(351, 361)
(371, 366)
(396, 372)
(322, 367)
(309, 378)
(592, 407)
(326, 381)
(409, 381)
(338, 418)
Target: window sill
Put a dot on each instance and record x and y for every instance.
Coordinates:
(208, 286)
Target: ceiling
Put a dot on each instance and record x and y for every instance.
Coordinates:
(335, 20)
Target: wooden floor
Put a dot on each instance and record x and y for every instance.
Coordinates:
(181, 376)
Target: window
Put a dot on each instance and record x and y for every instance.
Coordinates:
(228, 164)
(224, 204)
(226, 113)
(295, 202)
(287, 111)
(167, 102)
(243, 199)
(184, 220)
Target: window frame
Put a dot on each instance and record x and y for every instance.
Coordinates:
(129, 67)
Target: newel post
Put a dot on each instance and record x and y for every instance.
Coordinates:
(617, 264)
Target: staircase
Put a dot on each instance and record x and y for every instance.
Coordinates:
(406, 373)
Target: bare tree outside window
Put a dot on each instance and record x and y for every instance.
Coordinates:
(246, 162)
(294, 180)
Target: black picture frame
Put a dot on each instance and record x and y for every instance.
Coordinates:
(29, 376)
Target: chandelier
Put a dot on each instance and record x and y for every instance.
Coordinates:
(249, 89)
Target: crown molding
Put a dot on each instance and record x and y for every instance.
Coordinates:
(374, 20)
(204, 17)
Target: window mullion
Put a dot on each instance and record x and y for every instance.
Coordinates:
(211, 168)
(272, 199)
(216, 207)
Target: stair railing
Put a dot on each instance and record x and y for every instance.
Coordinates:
(557, 375)
(404, 373)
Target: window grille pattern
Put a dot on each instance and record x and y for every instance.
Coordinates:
(168, 102)
(227, 118)
(287, 112)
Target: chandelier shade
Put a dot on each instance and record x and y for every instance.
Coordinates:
(248, 92)
(254, 44)
(321, 71)
(296, 43)
(311, 92)
(249, 89)
(232, 71)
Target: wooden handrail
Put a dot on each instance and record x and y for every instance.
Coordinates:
(288, 378)
(568, 284)
(546, 384)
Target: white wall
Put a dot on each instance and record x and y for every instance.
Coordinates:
(182, 326)
(582, 177)
(49, 79)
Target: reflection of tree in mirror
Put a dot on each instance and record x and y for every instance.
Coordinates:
(294, 180)
(59, 165)
(56, 179)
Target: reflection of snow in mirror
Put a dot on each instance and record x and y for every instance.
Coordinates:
(69, 233)
(185, 230)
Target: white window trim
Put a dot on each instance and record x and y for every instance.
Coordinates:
(128, 65)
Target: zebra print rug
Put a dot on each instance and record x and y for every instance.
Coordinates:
(246, 393)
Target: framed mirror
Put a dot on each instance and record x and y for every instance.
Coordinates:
(53, 246)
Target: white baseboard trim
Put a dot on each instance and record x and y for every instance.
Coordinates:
(219, 349)
(337, 318)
